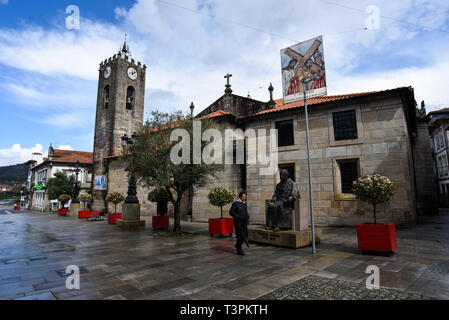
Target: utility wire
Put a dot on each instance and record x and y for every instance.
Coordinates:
(385, 17)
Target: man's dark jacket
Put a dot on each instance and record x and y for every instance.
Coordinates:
(239, 211)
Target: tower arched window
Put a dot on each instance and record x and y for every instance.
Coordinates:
(130, 98)
(106, 96)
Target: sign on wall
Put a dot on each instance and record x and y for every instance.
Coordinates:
(101, 183)
(303, 62)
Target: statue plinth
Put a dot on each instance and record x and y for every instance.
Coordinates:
(74, 210)
(288, 238)
(299, 236)
(131, 216)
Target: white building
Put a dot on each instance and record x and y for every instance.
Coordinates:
(57, 161)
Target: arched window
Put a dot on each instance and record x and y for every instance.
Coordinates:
(106, 96)
(130, 98)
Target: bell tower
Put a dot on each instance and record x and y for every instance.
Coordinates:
(120, 104)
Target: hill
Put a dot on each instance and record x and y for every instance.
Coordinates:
(10, 174)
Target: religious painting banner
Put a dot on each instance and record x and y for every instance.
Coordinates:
(302, 65)
(101, 183)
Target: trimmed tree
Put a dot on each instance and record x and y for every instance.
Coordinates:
(115, 198)
(84, 197)
(150, 158)
(64, 198)
(60, 184)
(160, 196)
(219, 197)
(373, 189)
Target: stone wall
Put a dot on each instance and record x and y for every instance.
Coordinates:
(427, 194)
(383, 146)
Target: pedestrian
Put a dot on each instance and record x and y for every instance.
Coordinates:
(239, 212)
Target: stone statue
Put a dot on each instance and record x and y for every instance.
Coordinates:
(279, 213)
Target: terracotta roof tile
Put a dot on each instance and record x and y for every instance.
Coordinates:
(280, 106)
(73, 156)
(216, 114)
(445, 110)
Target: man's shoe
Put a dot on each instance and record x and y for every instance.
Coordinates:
(240, 252)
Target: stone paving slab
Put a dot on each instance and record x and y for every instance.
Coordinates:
(144, 264)
(318, 288)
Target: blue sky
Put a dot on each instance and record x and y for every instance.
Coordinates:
(48, 74)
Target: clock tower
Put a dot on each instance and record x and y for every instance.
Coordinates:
(120, 104)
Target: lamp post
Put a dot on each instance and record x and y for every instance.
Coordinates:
(312, 216)
(131, 207)
(132, 193)
(76, 188)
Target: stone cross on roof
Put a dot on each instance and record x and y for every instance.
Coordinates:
(228, 85)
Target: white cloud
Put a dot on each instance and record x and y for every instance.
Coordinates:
(65, 147)
(5, 2)
(17, 154)
(188, 54)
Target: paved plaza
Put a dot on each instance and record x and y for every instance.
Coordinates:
(36, 248)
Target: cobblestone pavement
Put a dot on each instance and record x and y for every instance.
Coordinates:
(36, 248)
(317, 288)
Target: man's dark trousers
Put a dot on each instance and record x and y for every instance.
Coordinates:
(240, 214)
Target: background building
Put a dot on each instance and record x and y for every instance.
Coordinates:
(58, 160)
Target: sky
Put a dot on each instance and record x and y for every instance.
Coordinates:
(49, 70)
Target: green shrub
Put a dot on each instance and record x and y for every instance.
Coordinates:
(373, 189)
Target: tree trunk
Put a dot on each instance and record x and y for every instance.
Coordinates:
(221, 212)
(374, 209)
(115, 208)
(177, 224)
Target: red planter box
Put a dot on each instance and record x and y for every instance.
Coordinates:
(16, 207)
(63, 212)
(113, 217)
(221, 226)
(377, 237)
(84, 214)
(160, 222)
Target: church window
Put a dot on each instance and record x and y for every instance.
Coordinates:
(106, 96)
(345, 125)
(130, 98)
(285, 133)
(291, 170)
(348, 173)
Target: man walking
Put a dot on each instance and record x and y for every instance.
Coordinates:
(239, 212)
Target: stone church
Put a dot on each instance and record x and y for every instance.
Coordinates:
(350, 135)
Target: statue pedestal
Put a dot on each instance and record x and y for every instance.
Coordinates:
(74, 210)
(289, 238)
(299, 217)
(299, 236)
(131, 216)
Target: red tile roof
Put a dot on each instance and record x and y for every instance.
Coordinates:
(445, 110)
(216, 114)
(73, 156)
(280, 106)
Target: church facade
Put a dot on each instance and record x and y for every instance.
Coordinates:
(350, 135)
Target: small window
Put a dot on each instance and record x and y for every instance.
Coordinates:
(130, 98)
(345, 125)
(291, 170)
(348, 174)
(285, 133)
(106, 96)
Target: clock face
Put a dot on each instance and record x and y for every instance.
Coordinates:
(132, 73)
(107, 72)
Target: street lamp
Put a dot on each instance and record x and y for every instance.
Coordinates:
(132, 193)
(76, 188)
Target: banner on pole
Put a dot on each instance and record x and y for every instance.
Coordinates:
(304, 60)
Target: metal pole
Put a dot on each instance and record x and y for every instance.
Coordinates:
(310, 172)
